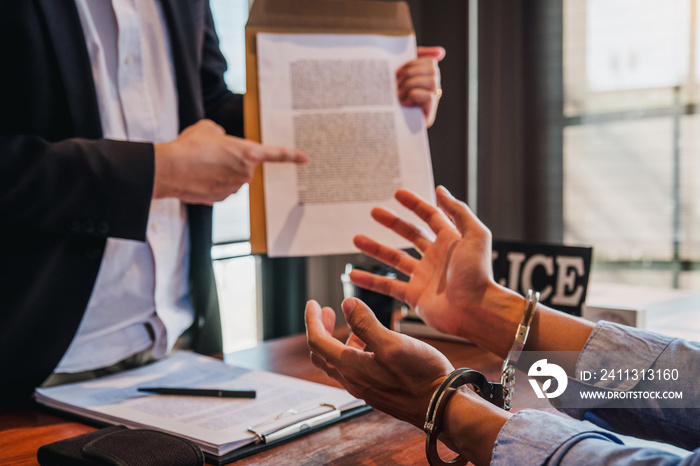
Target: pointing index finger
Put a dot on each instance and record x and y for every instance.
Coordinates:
(288, 155)
(281, 154)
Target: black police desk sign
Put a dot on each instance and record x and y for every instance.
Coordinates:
(560, 273)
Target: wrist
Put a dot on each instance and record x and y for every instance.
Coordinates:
(162, 170)
(471, 426)
(493, 321)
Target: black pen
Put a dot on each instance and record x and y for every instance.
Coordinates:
(200, 392)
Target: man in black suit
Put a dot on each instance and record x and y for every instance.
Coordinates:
(67, 189)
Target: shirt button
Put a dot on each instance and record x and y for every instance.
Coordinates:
(155, 226)
(128, 60)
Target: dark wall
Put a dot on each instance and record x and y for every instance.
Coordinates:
(521, 119)
(446, 25)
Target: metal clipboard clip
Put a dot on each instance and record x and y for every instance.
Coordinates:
(285, 431)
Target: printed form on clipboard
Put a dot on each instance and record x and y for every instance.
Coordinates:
(225, 428)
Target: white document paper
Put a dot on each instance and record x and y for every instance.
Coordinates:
(334, 96)
(217, 425)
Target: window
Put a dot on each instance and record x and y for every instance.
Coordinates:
(632, 138)
(234, 267)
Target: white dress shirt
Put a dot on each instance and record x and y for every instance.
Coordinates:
(141, 296)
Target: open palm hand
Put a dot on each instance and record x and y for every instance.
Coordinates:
(450, 278)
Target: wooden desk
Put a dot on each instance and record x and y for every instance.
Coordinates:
(370, 439)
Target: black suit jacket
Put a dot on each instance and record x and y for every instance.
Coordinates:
(64, 190)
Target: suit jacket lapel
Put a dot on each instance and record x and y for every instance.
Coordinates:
(73, 60)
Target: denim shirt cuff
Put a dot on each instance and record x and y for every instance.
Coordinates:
(611, 345)
(533, 437)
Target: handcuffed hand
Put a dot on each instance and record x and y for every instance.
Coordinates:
(394, 373)
(449, 281)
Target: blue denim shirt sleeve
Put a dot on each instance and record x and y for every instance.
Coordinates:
(611, 345)
(535, 437)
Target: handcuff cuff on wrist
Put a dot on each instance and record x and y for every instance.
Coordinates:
(500, 394)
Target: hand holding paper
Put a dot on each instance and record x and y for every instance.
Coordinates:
(419, 84)
(385, 373)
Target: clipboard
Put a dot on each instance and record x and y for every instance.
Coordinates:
(217, 425)
(314, 424)
(305, 16)
(289, 433)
